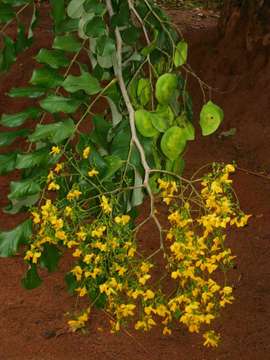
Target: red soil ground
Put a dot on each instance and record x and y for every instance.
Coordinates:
(32, 325)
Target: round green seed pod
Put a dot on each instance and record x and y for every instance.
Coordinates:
(165, 88)
(143, 122)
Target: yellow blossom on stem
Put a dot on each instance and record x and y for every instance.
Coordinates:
(93, 172)
(74, 194)
(86, 152)
(107, 209)
(53, 186)
(55, 150)
(211, 339)
(58, 167)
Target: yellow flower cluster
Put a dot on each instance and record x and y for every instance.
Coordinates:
(109, 270)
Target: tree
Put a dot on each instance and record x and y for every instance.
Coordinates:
(250, 17)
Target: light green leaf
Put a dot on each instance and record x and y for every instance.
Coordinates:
(11, 240)
(75, 9)
(181, 53)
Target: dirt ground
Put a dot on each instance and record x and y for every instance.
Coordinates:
(32, 325)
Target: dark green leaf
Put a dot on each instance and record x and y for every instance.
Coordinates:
(14, 120)
(7, 163)
(58, 12)
(46, 77)
(55, 133)
(95, 27)
(6, 13)
(8, 137)
(50, 257)
(85, 82)
(12, 239)
(23, 188)
(71, 282)
(53, 58)
(67, 43)
(31, 279)
(54, 104)
(36, 158)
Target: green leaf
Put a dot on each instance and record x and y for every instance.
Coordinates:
(23, 188)
(9, 54)
(16, 205)
(75, 9)
(12, 239)
(33, 22)
(58, 12)
(99, 135)
(130, 35)
(67, 43)
(31, 92)
(7, 163)
(181, 53)
(50, 257)
(105, 46)
(85, 82)
(95, 27)
(22, 42)
(15, 120)
(211, 117)
(54, 104)
(36, 158)
(55, 133)
(6, 13)
(54, 58)
(114, 163)
(46, 77)
(71, 282)
(8, 137)
(94, 6)
(31, 279)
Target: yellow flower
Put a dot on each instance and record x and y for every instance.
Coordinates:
(211, 338)
(86, 152)
(36, 217)
(82, 291)
(68, 210)
(74, 194)
(166, 331)
(34, 255)
(93, 172)
(53, 186)
(229, 168)
(123, 220)
(77, 253)
(144, 278)
(58, 168)
(99, 231)
(105, 205)
(61, 235)
(79, 322)
(77, 271)
(87, 259)
(148, 295)
(55, 150)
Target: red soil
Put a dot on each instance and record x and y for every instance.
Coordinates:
(32, 324)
